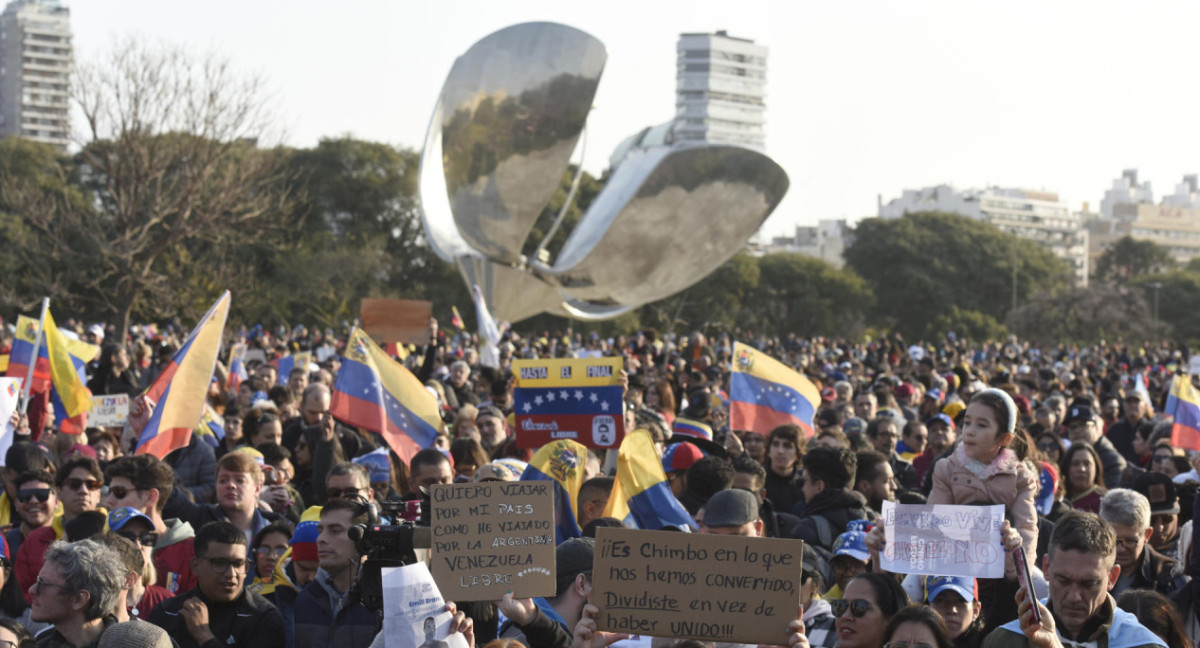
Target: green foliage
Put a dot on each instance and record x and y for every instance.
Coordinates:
(924, 264)
(1130, 258)
(1086, 315)
(967, 325)
(1178, 301)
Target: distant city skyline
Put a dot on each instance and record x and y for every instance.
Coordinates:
(864, 99)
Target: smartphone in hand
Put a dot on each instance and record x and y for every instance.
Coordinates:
(1025, 579)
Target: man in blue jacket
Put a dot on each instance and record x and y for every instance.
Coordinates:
(325, 613)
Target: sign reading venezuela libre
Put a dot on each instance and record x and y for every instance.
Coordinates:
(577, 399)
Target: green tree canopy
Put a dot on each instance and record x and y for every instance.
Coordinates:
(1130, 258)
(923, 264)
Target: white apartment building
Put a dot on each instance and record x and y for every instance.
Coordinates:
(1126, 190)
(720, 87)
(35, 69)
(1035, 215)
(827, 241)
(1130, 211)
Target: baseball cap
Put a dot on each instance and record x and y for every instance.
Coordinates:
(121, 516)
(377, 465)
(935, 394)
(493, 471)
(692, 428)
(828, 394)
(732, 507)
(573, 558)
(304, 539)
(860, 525)
(853, 544)
(1079, 413)
(904, 390)
(967, 588)
(854, 425)
(489, 410)
(1160, 490)
(680, 456)
(941, 418)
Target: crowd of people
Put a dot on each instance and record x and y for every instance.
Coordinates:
(243, 537)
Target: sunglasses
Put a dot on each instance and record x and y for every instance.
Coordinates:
(1048, 447)
(75, 483)
(275, 552)
(147, 539)
(26, 494)
(119, 492)
(857, 607)
(340, 493)
(905, 644)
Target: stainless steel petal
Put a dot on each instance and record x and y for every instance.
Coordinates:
(511, 294)
(667, 218)
(512, 110)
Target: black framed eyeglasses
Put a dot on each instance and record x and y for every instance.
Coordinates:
(343, 493)
(119, 492)
(26, 494)
(74, 483)
(857, 607)
(147, 539)
(220, 565)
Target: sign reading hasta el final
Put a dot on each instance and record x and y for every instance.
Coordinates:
(578, 399)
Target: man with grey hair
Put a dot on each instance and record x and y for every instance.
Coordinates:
(459, 384)
(1128, 512)
(77, 590)
(349, 481)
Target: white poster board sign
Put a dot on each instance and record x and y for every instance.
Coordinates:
(109, 411)
(1194, 365)
(10, 394)
(943, 540)
(414, 612)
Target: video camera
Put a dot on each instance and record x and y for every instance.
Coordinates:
(386, 545)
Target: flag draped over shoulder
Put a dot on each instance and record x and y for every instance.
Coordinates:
(764, 393)
(1183, 403)
(640, 497)
(375, 392)
(561, 462)
(179, 393)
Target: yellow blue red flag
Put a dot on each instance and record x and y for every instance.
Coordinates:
(375, 392)
(180, 392)
(68, 373)
(561, 462)
(764, 393)
(640, 497)
(1183, 403)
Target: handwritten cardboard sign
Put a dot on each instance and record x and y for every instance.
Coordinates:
(579, 399)
(493, 537)
(714, 588)
(396, 320)
(109, 411)
(943, 540)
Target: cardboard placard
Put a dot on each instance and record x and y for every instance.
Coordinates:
(578, 399)
(494, 537)
(109, 411)
(396, 320)
(716, 588)
(943, 540)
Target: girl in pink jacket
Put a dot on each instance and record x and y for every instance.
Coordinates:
(985, 470)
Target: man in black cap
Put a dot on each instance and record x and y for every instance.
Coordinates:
(1164, 512)
(732, 512)
(1083, 425)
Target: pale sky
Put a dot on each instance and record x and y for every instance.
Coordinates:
(863, 98)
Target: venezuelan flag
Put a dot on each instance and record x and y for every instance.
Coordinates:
(237, 367)
(765, 393)
(640, 496)
(25, 352)
(375, 392)
(179, 394)
(1183, 403)
(457, 320)
(68, 372)
(289, 362)
(562, 462)
(211, 428)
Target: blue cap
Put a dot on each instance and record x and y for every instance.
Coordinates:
(860, 525)
(966, 587)
(852, 543)
(377, 465)
(121, 516)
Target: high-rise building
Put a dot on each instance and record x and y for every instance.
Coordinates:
(720, 86)
(35, 71)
